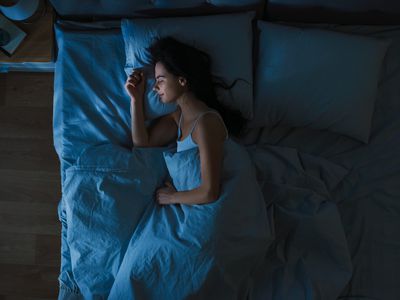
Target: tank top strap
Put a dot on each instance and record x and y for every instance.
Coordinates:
(195, 122)
(202, 114)
(180, 118)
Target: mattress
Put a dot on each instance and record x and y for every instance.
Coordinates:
(339, 239)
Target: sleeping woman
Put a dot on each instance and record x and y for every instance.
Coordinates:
(183, 76)
(206, 245)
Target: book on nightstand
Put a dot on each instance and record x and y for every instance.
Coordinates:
(15, 35)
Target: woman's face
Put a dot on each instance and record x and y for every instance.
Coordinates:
(168, 86)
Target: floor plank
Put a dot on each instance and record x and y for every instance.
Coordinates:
(36, 218)
(30, 186)
(30, 224)
(26, 122)
(12, 297)
(28, 155)
(30, 189)
(28, 280)
(44, 250)
(17, 248)
(26, 89)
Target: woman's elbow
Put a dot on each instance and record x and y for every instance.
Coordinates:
(212, 195)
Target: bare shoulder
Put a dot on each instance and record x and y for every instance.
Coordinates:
(210, 127)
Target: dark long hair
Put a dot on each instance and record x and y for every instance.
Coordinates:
(195, 65)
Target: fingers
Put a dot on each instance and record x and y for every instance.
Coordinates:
(159, 193)
(163, 195)
(168, 183)
(130, 83)
(160, 198)
(137, 75)
(137, 71)
(129, 87)
(135, 78)
(132, 80)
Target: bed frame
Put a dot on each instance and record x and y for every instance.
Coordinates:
(102, 10)
(373, 12)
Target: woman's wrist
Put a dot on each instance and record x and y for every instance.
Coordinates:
(137, 100)
(134, 100)
(174, 198)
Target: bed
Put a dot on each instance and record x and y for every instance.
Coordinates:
(309, 203)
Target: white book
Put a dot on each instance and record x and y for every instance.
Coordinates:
(16, 35)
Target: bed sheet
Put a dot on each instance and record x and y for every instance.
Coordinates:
(368, 198)
(359, 182)
(90, 103)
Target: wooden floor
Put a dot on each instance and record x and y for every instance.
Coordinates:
(30, 189)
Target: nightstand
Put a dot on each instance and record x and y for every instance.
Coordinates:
(36, 52)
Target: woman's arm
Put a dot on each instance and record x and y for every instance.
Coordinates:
(168, 195)
(135, 87)
(140, 136)
(198, 195)
(209, 134)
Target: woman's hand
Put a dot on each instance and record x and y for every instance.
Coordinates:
(135, 85)
(165, 195)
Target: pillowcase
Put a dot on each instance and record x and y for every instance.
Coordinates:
(226, 38)
(317, 78)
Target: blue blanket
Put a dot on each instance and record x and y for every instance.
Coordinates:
(104, 197)
(123, 245)
(121, 241)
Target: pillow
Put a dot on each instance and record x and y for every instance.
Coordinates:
(227, 38)
(317, 78)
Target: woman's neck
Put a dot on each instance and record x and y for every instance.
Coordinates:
(190, 106)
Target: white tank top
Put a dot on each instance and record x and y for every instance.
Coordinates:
(188, 142)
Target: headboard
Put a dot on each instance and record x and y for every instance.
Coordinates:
(360, 12)
(104, 9)
(365, 12)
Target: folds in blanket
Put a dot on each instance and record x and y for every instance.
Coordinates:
(284, 165)
(116, 234)
(104, 197)
(123, 246)
(309, 257)
(199, 251)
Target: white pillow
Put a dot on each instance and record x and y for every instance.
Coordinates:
(226, 38)
(317, 78)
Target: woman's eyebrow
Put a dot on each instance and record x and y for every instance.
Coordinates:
(160, 76)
